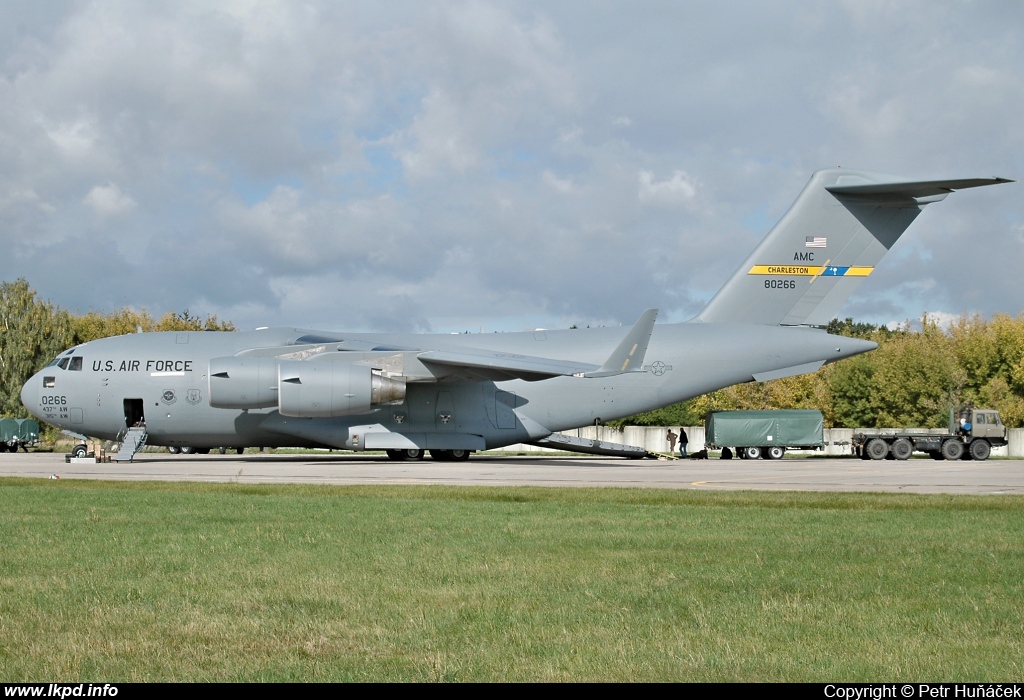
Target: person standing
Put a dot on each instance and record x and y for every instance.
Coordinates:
(683, 441)
(671, 437)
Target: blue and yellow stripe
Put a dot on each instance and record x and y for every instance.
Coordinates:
(810, 270)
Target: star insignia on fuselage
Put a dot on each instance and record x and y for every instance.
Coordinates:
(658, 368)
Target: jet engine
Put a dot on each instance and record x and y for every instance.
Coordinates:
(322, 389)
(243, 382)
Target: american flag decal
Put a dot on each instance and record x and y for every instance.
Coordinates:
(815, 242)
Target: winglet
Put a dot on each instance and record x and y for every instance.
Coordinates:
(629, 355)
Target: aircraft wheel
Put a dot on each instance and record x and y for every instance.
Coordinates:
(776, 452)
(952, 449)
(239, 450)
(980, 450)
(876, 448)
(412, 454)
(223, 450)
(79, 451)
(902, 449)
(201, 450)
(441, 455)
(187, 450)
(397, 455)
(174, 449)
(458, 455)
(753, 452)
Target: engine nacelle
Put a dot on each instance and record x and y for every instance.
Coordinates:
(243, 382)
(321, 389)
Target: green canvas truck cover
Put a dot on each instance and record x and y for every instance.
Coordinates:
(8, 430)
(764, 428)
(28, 430)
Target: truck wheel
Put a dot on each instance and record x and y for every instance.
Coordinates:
(952, 449)
(877, 448)
(902, 449)
(980, 450)
(753, 453)
(776, 452)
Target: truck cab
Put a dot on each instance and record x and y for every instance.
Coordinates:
(981, 423)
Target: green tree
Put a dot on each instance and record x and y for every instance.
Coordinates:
(173, 321)
(32, 332)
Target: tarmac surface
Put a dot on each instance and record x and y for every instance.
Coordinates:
(993, 476)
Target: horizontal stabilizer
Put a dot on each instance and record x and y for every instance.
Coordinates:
(915, 190)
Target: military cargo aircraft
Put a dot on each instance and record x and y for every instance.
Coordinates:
(455, 394)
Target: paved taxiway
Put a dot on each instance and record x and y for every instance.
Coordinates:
(913, 476)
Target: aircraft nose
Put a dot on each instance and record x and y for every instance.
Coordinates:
(30, 395)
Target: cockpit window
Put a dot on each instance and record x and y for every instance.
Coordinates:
(53, 362)
(63, 364)
(76, 364)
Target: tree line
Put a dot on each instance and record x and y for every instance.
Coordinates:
(33, 331)
(912, 379)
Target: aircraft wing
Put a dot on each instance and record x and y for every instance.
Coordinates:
(499, 366)
(475, 364)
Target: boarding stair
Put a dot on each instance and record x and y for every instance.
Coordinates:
(133, 441)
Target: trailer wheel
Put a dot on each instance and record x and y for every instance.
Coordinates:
(753, 453)
(952, 449)
(980, 450)
(877, 448)
(902, 449)
(775, 452)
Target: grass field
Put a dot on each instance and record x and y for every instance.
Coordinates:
(146, 581)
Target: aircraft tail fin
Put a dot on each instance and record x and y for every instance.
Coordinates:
(828, 242)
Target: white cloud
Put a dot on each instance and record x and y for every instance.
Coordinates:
(108, 201)
(409, 163)
(680, 188)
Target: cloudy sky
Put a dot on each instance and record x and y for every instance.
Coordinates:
(451, 166)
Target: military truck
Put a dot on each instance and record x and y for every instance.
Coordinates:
(757, 434)
(971, 434)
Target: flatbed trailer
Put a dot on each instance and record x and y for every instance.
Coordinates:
(971, 435)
